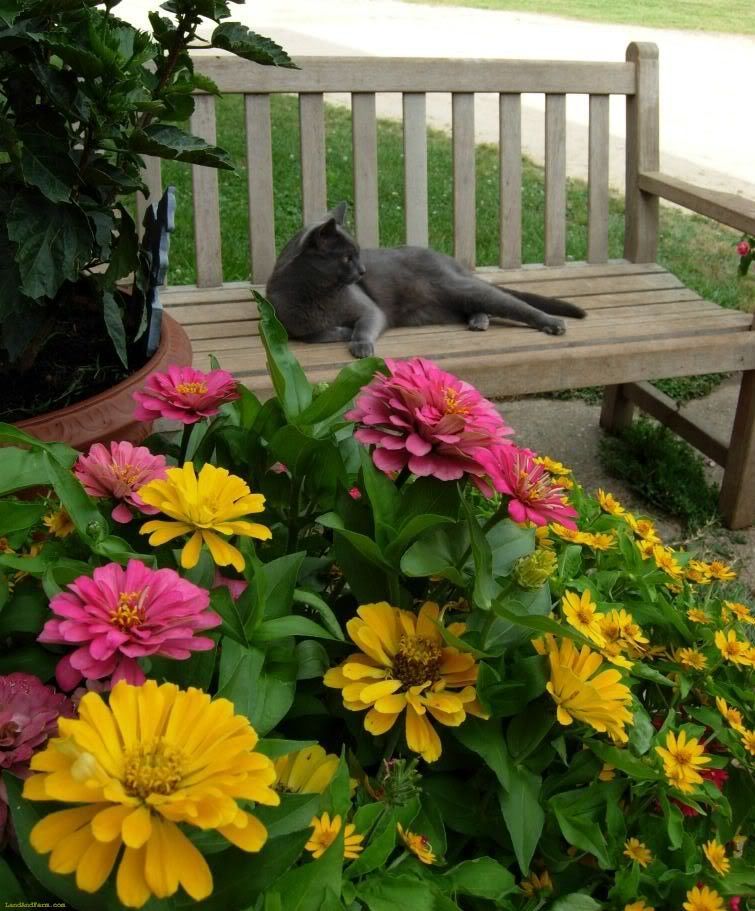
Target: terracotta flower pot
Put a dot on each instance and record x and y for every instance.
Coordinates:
(110, 414)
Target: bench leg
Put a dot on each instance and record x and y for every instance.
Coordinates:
(737, 500)
(616, 411)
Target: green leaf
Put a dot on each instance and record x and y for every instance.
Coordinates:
(642, 732)
(275, 583)
(292, 387)
(526, 731)
(223, 604)
(484, 585)
(239, 40)
(26, 611)
(316, 603)
(380, 847)
(577, 901)
(125, 253)
(515, 615)
(366, 547)
(78, 504)
(508, 542)
(18, 516)
(274, 747)
(412, 529)
(644, 672)
(578, 814)
(168, 141)
(386, 892)
(45, 164)
(83, 62)
(197, 670)
(481, 878)
(293, 814)
(205, 84)
(625, 762)
(31, 659)
(260, 684)
(332, 402)
(10, 887)
(53, 243)
(522, 813)
(486, 739)
(114, 324)
(438, 553)
(272, 630)
(674, 822)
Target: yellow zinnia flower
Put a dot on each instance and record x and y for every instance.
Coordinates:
(607, 773)
(307, 771)
(740, 611)
(701, 898)
(698, 616)
(665, 559)
(681, 760)
(609, 503)
(581, 612)
(721, 571)
(748, 741)
(691, 658)
(638, 906)
(716, 854)
(733, 649)
(645, 548)
(206, 507)
(325, 833)
(534, 883)
(599, 700)
(156, 756)
(643, 528)
(417, 844)
(59, 523)
(552, 465)
(404, 665)
(732, 715)
(697, 571)
(566, 534)
(600, 540)
(636, 851)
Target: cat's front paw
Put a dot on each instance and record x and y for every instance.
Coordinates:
(362, 349)
(554, 327)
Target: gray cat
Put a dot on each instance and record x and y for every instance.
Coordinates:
(324, 289)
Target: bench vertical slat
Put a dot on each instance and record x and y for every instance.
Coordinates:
(314, 195)
(462, 119)
(641, 220)
(597, 165)
(151, 175)
(510, 127)
(206, 200)
(364, 140)
(259, 166)
(415, 168)
(555, 180)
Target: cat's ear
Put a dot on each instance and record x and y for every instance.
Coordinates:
(319, 234)
(339, 212)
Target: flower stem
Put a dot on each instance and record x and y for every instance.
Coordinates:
(394, 590)
(185, 439)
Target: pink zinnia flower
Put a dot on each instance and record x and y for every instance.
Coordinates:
(743, 248)
(119, 473)
(534, 495)
(184, 394)
(120, 615)
(719, 777)
(236, 587)
(29, 713)
(355, 493)
(428, 421)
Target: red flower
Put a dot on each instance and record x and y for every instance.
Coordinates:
(743, 248)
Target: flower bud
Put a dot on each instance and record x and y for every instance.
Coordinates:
(535, 569)
(743, 248)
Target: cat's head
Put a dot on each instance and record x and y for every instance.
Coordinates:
(330, 251)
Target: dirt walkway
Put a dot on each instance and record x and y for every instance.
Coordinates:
(707, 130)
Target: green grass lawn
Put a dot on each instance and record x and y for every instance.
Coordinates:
(698, 251)
(699, 15)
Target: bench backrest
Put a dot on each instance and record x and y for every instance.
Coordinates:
(362, 78)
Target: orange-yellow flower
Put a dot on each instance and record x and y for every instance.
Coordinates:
(665, 559)
(534, 884)
(607, 773)
(638, 852)
(698, 616)
(643, 528)
(730, 714)
(639, 905)
(716, 854)
(701, 898)
(691, 658)
(417, 844)
(600, 540)
(721, 571)
(597, 699)
(581, 612)
(733, 649)
(697, 571)
(405, 666)
(682, 758)
(59, 523)
(325, 832)
(748, 741)
(740, 611)
(609, 504)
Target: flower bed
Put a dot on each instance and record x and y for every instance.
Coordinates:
(353, 648)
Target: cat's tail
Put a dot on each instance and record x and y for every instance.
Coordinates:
(552, 305)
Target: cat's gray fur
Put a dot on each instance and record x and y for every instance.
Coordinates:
(325, 289)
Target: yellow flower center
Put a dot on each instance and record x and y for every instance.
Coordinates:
(417, 661)
(191, 388)
(451, 402)
(126, 474)
(584, 615)
(130, 610)
(153, 768)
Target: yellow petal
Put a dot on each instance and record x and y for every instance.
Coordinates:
(67, 853)
(161, 532)
(56, 827)
(160, 873)
(193, 872)
(378, 723)
(106, 826)
(222, 552)
(130, 883)
(96, 865)
(137, 828)
(249, 838)
(34, 788)
(421, 736)
(191, 551)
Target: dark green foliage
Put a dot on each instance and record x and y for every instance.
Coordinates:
(663, 469)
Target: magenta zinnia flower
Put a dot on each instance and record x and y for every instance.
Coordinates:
(428, 421)
(184, 394)
(118, 474)
(119, 615)
(29, 713)
(535, 496)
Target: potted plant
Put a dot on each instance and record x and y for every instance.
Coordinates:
(83, 96)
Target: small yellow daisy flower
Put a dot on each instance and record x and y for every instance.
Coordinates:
(638, 906)
(637, 852)
(731, 715)
(716, 855)
(566, 534)
(682, 757)
(740, 611)
(691, 658)
(551, 465)
(665, 559)
(696, 571)
(645, 548)
(643, 528)
(748, 741)
(534, 883)
(325, 833)
(703, 899)
(607, 773)
(581, 612)
(417, 844)
(721, 571)
(733, 649)
(698, 616)
(609, 503)
(601, 540)
(59, 523)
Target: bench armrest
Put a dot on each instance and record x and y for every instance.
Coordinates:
(726, 208)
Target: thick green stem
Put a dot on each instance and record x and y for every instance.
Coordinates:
(394, 589)
(185, 439)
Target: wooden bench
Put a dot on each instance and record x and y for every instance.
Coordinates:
(643, 323)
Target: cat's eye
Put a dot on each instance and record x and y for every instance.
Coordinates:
(346, 258)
